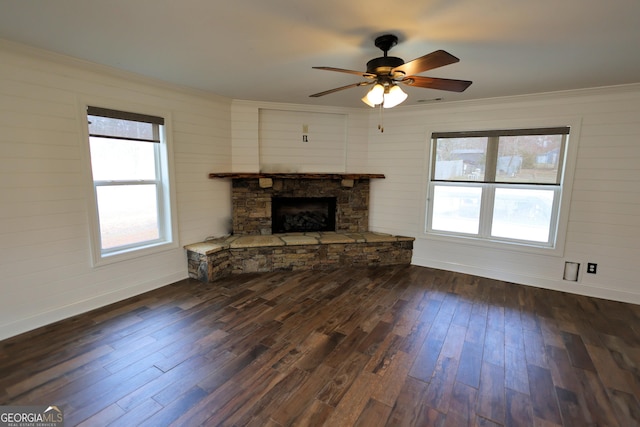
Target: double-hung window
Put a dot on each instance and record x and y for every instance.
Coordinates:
(130, 181)
(498, 185)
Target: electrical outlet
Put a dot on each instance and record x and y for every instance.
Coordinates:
(592, 268)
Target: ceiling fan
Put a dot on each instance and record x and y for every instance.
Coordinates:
(386, 72)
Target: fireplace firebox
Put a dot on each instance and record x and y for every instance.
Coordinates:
(303, 214)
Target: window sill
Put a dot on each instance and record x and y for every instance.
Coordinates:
(556, 251)
(133, 253)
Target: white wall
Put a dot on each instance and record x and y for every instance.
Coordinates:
(45, 263)
(267, 137)
(302, 141)
(604, 219)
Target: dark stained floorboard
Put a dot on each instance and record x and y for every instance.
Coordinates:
(400, 345)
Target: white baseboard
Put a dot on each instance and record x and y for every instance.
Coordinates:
(41, 319)
(527, 280)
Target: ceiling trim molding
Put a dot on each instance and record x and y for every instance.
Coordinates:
(70, 61)
(629, 89)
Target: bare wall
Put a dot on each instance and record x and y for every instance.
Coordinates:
(269, 137)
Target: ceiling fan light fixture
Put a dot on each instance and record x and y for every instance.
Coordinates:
(394, 96)
(376, 95)
(365, 99)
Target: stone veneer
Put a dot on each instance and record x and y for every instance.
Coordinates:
(219, 258)
(251, 201)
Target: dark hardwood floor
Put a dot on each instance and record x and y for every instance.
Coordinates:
(397, 346)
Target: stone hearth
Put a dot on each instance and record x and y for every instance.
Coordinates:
(218, 258)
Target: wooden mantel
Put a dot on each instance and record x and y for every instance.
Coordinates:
(336, 176)
(248, 175)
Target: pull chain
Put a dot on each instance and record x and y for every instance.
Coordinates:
(381, 119)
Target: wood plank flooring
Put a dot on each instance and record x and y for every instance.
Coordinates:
(396, 346)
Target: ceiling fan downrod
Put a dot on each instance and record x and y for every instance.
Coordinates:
(386, 42)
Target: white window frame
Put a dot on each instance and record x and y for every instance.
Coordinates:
(561, 203)
(164, 184)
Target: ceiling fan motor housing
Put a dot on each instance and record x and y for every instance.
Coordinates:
(382, 66)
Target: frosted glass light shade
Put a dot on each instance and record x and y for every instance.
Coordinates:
(394, 97)
(365, 99)
(376, 94)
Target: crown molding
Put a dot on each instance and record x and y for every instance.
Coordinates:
(70, 61)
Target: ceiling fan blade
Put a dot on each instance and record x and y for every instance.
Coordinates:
(437, 83)
(436, 59)
(342, 70)
(327, 92)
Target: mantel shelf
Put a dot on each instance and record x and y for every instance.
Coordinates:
(336, 176)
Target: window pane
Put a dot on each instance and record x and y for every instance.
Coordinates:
(128, 214)
(456, 209)
(115, 159)
(530, 159)
(460, 159)
(522, 214)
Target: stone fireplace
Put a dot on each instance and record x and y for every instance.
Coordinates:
(252, 197)
(297, 222)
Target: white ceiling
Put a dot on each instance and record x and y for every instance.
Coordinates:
(263, 50)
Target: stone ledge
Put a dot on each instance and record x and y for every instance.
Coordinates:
(291, 239)
(219, 258)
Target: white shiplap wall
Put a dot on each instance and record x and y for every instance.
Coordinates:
(283, 149)
(603, 223)
(45, 263)
(268, 137)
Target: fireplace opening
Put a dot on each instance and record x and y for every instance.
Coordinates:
(302, 214)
